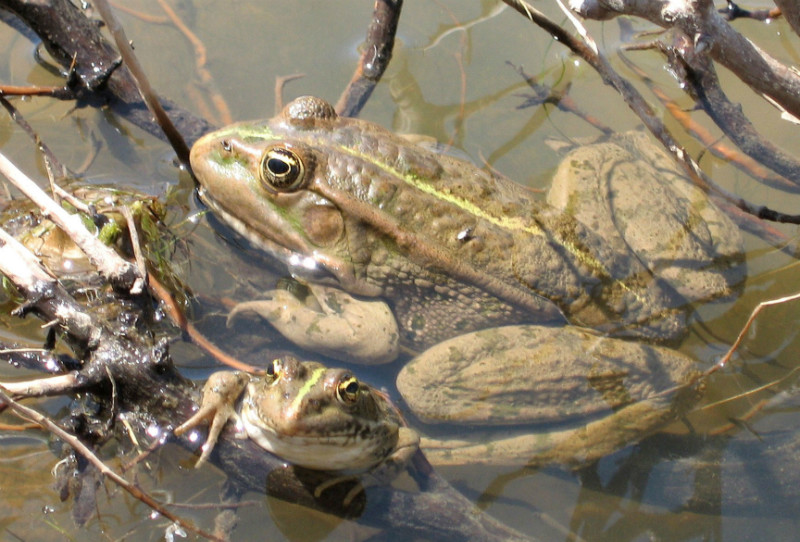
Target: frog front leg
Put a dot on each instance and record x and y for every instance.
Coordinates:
(220, 393)
(331, 322)
(388, 469)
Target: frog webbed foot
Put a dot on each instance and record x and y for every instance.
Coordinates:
(219, 397)
(331, 322)
(354, 492)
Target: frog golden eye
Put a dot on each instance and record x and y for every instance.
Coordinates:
(282, 170)
(273, 369)
(347, 389)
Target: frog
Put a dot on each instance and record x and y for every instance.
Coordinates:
(358, 213)
(309, 415)
(432, 255)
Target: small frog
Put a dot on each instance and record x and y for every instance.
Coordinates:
(311, 416)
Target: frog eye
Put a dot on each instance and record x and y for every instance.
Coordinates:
(282, 170)
(274, 369)
(347, 389)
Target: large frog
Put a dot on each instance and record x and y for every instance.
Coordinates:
(361, 214)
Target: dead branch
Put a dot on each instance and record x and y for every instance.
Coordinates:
(375, 58)
(790, 9)
(698, 72)
(710, 33)
(74, 40)
(118, 271)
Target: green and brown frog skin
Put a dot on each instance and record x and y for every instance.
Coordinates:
(309, 415)
(400, 246)
(360, 214)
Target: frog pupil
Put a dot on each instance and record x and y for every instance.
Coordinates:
(278, 167)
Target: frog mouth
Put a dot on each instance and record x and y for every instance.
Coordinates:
(329, 453)
(298, 265)
(305, 264)
(333, 451)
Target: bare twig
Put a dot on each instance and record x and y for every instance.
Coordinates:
(543, 94)
(710, 32)
(60, 93)
(376, 56)
(179, 319)
(44, 387)
(146, 91)
(761, 306)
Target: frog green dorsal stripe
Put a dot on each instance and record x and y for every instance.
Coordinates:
(506, 222)
(307, 386)
(510, 223)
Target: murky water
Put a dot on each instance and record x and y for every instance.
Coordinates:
(455, 84)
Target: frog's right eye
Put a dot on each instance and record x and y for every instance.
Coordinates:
(282, 169)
